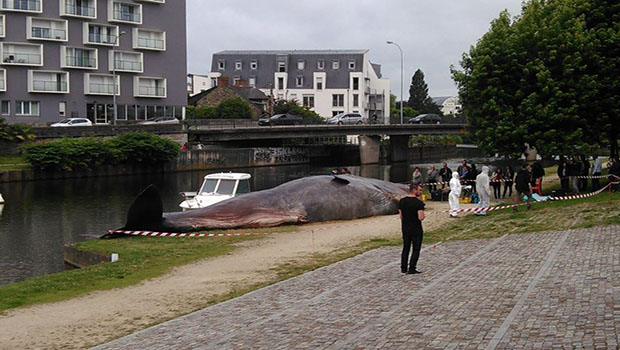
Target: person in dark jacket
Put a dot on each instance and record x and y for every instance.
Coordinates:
(563, 174)
(522, 186)
(445, 174)
(585, 171)
(471, 177)
(537, 173)
(509, 176)
(573, 171)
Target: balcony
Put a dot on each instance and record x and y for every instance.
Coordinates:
(47, 29)
(150, 87)
(124, 12)
(86, 9)
(101, 84)
(99, 34)
(149, 39)
(153, 1)
(48, 82)
(2, 21)
(79, 58)
(2, 79)
(21, 5)
(123, 61)
(22, 54)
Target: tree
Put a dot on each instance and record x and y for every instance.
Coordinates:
(535, 79)
(234, 108)
(292, 107)
(418, 95)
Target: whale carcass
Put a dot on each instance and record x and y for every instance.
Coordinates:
(308, 199)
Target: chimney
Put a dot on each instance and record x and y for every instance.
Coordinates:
(241, 83)
(222, 81)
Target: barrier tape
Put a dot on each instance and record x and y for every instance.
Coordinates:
(512, 180)
(175, 234)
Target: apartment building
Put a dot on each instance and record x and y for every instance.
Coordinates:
(80, 58)
(327, 81)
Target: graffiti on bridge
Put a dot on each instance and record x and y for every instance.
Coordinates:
(276, 155)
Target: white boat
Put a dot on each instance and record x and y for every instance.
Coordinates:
(216, 188)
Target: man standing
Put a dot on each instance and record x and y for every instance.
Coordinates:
(522, 186)
(411, 211)
(484, 190)
(445, 174)
(597, 170)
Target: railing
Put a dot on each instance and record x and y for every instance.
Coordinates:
(151, 43)
(102, 38)
(81, 61)
(127, 16)
(152, 91)
(26, 58)
(49, 85)
(75, 10)
(101, 88)
(48, 33)
(25, 5)
(128, 65)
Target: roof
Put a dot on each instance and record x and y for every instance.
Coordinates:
(377, 69)
(291, 52)
(440, 100)
(247, 93)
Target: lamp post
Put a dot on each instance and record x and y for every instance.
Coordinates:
(114, 76)
(401, 78)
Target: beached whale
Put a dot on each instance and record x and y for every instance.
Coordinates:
(308, 199)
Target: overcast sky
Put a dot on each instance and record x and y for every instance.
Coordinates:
(433, 34)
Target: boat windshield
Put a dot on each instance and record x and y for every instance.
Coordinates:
(244, 187)
(208, 186)
(226, 187)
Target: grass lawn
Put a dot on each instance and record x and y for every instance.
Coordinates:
(13, 163)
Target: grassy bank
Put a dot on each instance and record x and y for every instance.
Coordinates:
(13, 163)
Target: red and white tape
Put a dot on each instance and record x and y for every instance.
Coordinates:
(176, 234)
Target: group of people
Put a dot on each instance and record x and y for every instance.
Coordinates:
(573, 172)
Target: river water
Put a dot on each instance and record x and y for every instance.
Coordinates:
(40, 217)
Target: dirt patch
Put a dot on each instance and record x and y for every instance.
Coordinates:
(103, 316)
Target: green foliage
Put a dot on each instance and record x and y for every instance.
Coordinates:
(15, 132)
(418, 95)
(292, 107)
(144, 148)
(234, 108)
(201, 112)
(89, 153)
(547, 78)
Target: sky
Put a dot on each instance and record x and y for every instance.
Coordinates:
(433, 34)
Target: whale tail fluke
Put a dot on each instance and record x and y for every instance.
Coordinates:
(145, 211)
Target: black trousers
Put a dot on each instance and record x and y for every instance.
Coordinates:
(595, 182)
(411, 237)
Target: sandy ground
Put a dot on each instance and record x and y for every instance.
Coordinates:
(103, 316)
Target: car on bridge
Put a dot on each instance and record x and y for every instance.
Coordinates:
(160, 120)
(281, 119)
(425, 119)
(346, 118)
(72, 122)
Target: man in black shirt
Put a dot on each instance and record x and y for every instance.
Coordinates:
(411, 211)
(522, 186)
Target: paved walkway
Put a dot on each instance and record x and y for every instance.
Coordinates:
(533, 291)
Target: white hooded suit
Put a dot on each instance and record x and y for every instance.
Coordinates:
(455, 193)
(484, 190)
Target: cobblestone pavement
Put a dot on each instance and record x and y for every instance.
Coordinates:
(533, 291)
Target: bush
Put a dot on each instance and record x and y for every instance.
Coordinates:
(291, 107)
(234, 108)
(89, 153)
(201, 112)
(15, 132)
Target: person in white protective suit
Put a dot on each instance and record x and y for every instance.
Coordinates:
(455, 193)
(484, 190)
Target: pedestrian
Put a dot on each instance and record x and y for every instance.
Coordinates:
(597, 170)
(445, 174)
(463, 168)
(613, 170)
(563, 174)
(432, 176)
(184, 147)
(484, 191)
(509, 176)
(498, 176)
(455, 193)
(573, 171)
(538, 172)
(411, 210)
(585, 171)
(522, 186)
(471, 177)
(417, 176)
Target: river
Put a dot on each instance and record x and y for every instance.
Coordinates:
(40, 217)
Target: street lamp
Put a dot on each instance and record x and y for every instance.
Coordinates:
(114, 76)
(401, 78)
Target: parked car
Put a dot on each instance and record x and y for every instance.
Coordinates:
(281, 119)
(72, 122)
(160, 120)
(346, 118)
(425, 119)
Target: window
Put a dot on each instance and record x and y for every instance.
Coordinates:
(319, 83)
(221, 64)
(2, 20)
(320, 64)
(2, 79)
(48, 81)
(252, 81)
(46, 29)
(356, 83)
(71, 57)
(125, 61)
(336, 65)
(100, 34)
(308, 101)
(301, 64)
(22, 54)
(78, 8)
(27, 108)
(21, 5)
(280, 83)
(351, 64)
(338, 100)
(335, 113)
(149, 39)
(281, 67)
(149, 87)
(6, 107)
(254, 64)
(101, 84)
(62, 108)
(236, 80)
(356, 100)
(213, 82)
(299, 80)
(124, 12)
(238, 65)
